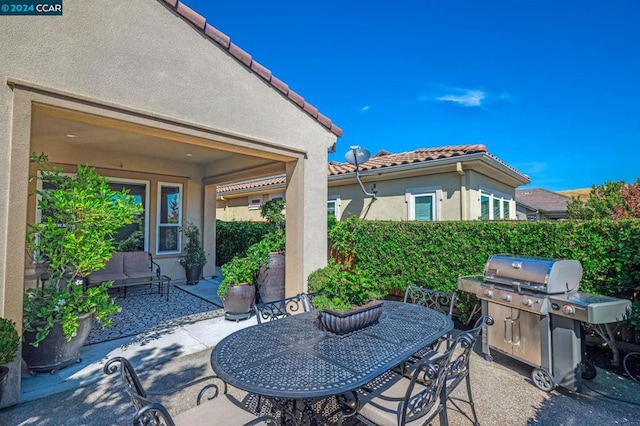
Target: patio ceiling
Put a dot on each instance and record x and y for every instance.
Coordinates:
(71, 129)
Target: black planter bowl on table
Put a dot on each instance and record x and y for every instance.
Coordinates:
(355, 319)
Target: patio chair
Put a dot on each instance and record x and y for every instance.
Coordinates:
(269, 311)
(442, 301)
(458, 369)
(216, 410)
(308, 299)
(393, 399)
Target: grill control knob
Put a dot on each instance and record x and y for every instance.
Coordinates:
(527, 302)
(568, 309)
(488, 293)
(506, 297)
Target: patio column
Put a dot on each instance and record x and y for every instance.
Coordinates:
(209, 229)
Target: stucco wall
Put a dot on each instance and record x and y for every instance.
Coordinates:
(138, 54)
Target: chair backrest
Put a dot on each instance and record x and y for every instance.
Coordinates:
(269, 311)
(308, 300)
(147, 412)
(458, 368)
(431, 376)
(442, 301)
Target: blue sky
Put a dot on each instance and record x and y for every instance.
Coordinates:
(550, 87)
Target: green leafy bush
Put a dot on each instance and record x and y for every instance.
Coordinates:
(9, 340)
(342, 287)
(81, 215)
(234, 238)
(194, 255)
(436, 254)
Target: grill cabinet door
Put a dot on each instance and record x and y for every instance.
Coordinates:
(526, 336)
(500, 332)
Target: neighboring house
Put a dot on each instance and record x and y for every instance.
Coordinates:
(541, 204)
(157, 100)
(462, 182)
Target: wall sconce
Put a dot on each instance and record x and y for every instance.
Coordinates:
(357, 156)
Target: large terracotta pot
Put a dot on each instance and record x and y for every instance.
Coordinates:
(54, 352)
(238, 302)
(355, 319)
(270, 281)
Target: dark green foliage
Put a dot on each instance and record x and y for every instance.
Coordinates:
(434, 255)
(194, 255)
(234, 238)
(342, 287)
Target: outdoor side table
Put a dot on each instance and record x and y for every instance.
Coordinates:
(294, 359)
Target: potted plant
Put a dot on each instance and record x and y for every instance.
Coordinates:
(194, 257)
(80, 217)
(236, 289)
(270, 281)
(347, 297)
(9, 340)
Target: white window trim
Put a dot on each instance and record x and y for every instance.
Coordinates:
(276, 196)
(336, 200)
(434, 191)
(159, 211)
(503, 197)
(147, 192)
(255, 206)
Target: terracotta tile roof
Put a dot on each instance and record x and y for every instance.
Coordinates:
(199, 22)
(542, 200)
(253, 184)
(386, 159)
(380, 160)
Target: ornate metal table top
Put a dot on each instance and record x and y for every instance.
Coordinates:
(293, 358)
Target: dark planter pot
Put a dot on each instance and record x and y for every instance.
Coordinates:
(270, 281)
(238, 302)
(4, 375)
(54, 352)
(355, 319)
(193, 274)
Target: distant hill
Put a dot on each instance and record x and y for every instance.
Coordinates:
(582, 194)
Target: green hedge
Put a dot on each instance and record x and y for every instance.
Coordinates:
(435, 254)
(234, 238)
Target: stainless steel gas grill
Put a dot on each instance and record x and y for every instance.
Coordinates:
(538, 313)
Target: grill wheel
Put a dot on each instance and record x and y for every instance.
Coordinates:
(542, 379)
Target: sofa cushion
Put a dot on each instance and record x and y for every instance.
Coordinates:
(135, 262)
(115, 265)
(141, 276)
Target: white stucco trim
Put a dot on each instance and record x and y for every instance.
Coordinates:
(412, 193)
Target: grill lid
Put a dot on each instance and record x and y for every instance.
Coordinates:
(539, 274)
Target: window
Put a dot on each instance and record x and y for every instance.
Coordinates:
(169, 218)
(333, 207)
(276, 197)
(255, 203)
(423, 203)
(494, 205)
(133, 237)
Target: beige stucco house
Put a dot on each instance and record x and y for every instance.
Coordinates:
(462, 182)
(159, 101)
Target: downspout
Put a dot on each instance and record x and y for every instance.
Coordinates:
(463, 192)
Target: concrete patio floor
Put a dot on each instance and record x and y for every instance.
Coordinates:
(504, 395)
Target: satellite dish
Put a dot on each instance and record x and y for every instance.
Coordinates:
(357, 155)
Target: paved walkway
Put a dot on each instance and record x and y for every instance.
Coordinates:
(82, 395)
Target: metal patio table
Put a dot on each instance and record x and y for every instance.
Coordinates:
(294, 359)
